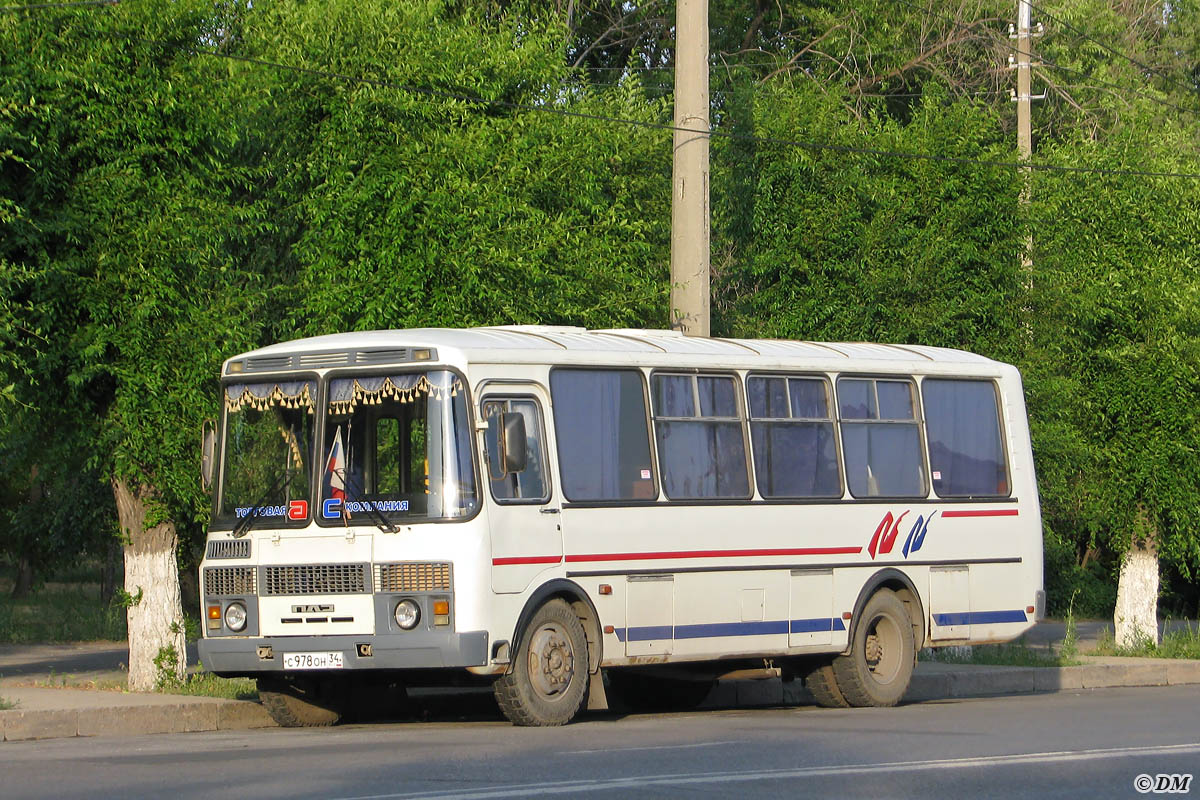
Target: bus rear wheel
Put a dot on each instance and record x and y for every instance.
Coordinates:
(879, 666)
(547, 682)
(302, 703)
(822, 683)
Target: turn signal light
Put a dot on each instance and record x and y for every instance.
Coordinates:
(214, 612)
(441, 607)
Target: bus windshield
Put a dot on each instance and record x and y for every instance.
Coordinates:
(397, 444)
(267, 447)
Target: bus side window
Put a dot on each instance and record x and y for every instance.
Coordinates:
(528, 485)
(600, 427)
(698, 427)
(881, 438)
(791, 430)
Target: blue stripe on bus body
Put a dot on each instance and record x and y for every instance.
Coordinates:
(712, 630)
(817, 625)
(980, 617)
(649, 632)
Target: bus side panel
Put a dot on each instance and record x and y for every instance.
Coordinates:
(716, 612)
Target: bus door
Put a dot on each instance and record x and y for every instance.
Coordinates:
(523, 515)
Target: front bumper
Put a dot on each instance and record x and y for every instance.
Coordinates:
(229, 655)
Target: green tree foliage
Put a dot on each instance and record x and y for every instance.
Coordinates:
(833, 245)
(1113, 367)
(167, 198)
(126, 288)
(414, 208)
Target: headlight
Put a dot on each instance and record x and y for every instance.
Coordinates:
(235, 616)
(408, 614)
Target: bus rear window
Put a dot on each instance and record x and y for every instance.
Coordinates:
(966, 454)
(603, 442)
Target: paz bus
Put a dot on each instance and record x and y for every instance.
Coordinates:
(579, 515)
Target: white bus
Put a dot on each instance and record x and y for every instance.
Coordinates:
(543, 507)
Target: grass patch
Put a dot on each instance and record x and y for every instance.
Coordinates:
(205, 684)
(6, 704)
(1017, 654)
(1178, 643)
(60, 612)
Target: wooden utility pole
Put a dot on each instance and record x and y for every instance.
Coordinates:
(689, 184)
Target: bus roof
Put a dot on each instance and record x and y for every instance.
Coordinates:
(564, 345)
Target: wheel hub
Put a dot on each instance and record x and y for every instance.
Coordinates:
(551, 660)
(881, 649)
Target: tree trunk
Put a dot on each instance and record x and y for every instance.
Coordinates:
(1136, 616)
(23, 580)
(112, 572)
(157, 643)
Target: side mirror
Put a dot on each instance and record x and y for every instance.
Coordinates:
(505, 439)
(208, 453)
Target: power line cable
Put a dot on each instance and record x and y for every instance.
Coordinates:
(1139, 64)
(39, 6)
(662, 126)
(803, 144)
(1045, 62)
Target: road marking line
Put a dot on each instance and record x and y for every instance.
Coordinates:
(607, 784)
(655, 747)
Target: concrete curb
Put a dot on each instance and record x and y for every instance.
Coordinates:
(94, 713)
(944, 681)
(185, 716)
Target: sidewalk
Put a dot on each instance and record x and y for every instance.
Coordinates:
(42, 684)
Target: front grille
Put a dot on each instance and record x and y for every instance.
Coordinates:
(221, 581)
(412, 577)
(229, 548)
(315, 579)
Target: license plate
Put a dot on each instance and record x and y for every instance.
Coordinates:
(331, 660)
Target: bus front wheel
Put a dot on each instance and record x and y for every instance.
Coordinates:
(548, 679)
(879, 666)
(301, 704)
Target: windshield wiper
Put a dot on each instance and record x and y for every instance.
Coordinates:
(380, 520)
(243, 525)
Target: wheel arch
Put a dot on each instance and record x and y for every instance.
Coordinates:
(902, 585)
(580, 603)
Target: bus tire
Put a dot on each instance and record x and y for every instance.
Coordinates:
(548, 680)
(307, 704)
(879, 666)
(822, 684)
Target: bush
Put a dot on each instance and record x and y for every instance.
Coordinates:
(1093, 587)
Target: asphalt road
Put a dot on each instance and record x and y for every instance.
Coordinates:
(1090, 744)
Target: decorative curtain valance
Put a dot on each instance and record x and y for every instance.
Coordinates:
(347, 393)
(261, 396)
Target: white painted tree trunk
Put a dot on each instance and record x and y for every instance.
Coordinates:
(1136, 616)
(156, 629)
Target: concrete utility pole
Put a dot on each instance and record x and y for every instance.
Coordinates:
(1024, 81)
(689, 184)
(1023, 64)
